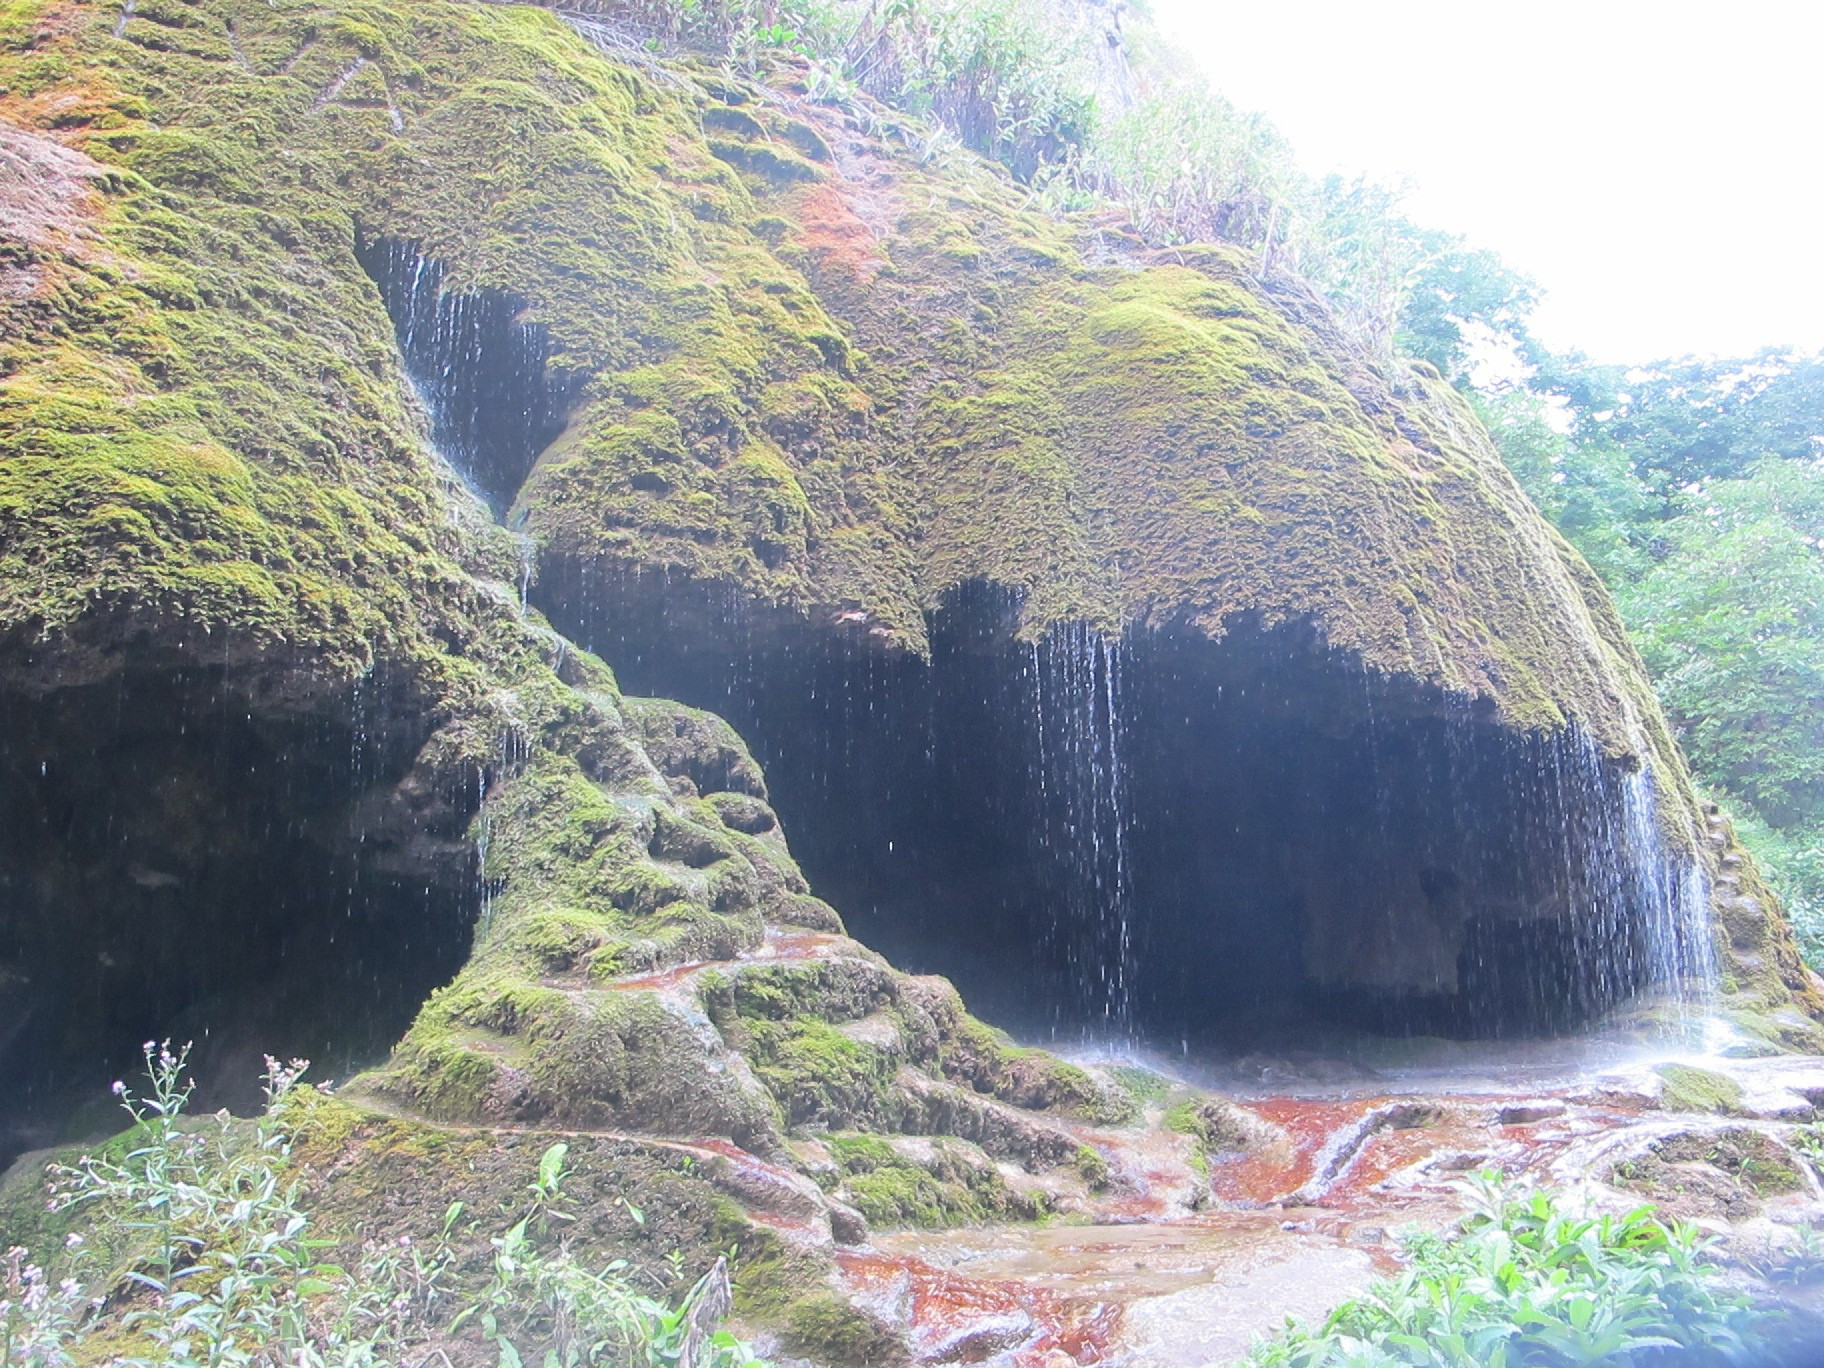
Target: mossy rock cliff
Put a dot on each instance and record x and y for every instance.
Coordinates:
(795, 354)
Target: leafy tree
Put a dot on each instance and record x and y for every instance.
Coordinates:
(1457, 292)
(1694, 420)
(1731, 622)
(1588, 489)
(1696, 490)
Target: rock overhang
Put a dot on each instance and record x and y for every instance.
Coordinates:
(836, 387)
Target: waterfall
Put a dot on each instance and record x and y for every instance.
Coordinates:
(481, 370)
(1654, 890)
(1085, 816)
(1673, 893)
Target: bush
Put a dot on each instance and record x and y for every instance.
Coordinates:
(219, 1267)
(1528, 1283)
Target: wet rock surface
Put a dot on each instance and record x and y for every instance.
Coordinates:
(1294, 1228)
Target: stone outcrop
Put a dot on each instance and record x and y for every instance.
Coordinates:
(766, 358)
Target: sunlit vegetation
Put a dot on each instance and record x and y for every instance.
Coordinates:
(189, 1242)
(1081, 122)
(1690, 486)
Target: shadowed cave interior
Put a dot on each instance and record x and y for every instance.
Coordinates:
(480, 369)
(1265, 836)
(177, 862)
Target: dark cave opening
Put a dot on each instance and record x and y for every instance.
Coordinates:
(176, 862)
(483, 372)
(1173, 839)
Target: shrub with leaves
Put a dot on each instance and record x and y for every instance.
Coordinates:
(581, 1317)
(39, 1319)
(223, 1272)
(220, 1267)
(1527, 1282)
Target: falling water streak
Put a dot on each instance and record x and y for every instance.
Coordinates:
(439, 332)
(1649, 895)
(484, 839)
(1073, 680)
(1674, 893)
(526, 550)
(1118, 1011)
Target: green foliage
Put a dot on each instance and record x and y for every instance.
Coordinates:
(1454, 292)
(1191, 167)
(1798, 1260)
(219, 1266)
(593, 1317)
(1730, 619)
(1528, 1283)
(1696, 490)
(1692, 421)
(40, 1320)
(222, 1267)
(996, 73)
(1021, 82)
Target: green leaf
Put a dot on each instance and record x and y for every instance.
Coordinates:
(551, 1167)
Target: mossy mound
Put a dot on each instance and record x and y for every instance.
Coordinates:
(850, 387)
(214, 457)
(1727, 1173)
(934, 1184)
(803, 366)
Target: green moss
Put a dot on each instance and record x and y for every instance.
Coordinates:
(1182, 1116)
(1717, 1171)
(769, 162)
(816, 392)
(1092, 1168)
(945, 1183)
(819, 1075)
(1141, 1084)
(828, 1329)
(1218, 1127)
(835, 990)
(1689, 1088)
(986, 1059)
(26, 1220)
(780, 1285)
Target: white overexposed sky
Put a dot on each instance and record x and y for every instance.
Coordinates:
(1657, 167)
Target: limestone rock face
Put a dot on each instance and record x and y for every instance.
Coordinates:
(680, 337)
